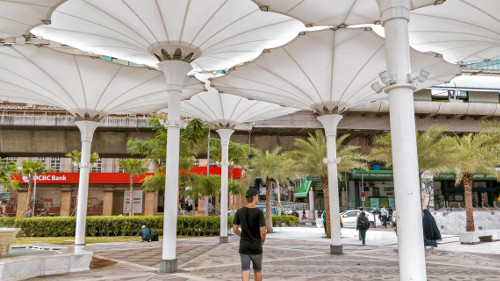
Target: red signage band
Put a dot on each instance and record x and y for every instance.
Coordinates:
(103, 178)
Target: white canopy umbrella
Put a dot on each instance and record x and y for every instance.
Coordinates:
(331, 12)
(85, 87)
(465, 30)
(182, 35)
(220, 34)
(18, 17)
(88, 88)
(225, 112)
(327, 72)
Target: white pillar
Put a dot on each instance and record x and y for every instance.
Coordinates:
(175, 72)
(225, 135)
(330, 123)
(311, 204)
(87, 129)
(395, 16)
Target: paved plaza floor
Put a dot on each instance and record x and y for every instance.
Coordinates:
(290, 254)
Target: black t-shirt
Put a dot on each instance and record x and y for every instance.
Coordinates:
(250, 220)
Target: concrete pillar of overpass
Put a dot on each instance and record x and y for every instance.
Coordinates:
(107, 204)
(65, 210)
(151, 203)
(21, 201)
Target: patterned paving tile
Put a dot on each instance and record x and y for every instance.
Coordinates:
(284, 259)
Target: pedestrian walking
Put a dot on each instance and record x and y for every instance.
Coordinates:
(362, 224)
(304, 214)
(383, 216)
(252, 233)
(361, 209)
(431, 231)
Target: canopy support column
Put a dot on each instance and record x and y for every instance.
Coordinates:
(225, 135)
(395, 16)
(175, 71)
(330, 123)
(87, 129)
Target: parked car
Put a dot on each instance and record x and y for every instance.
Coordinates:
(350, 217)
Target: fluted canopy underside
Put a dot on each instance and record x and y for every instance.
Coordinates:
(219, 33)
(332, 12)
(464, 30)
(18, 17)
(82, 85)
(325, 71)
(226, 110)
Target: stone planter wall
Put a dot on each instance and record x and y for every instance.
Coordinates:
(454, 222)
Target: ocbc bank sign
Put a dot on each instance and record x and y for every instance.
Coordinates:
(45, 178)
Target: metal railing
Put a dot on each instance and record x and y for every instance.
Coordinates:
(69, 121)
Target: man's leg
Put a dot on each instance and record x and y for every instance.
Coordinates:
(257, 266)
(245, 275)
(258, 275)
(245, 267)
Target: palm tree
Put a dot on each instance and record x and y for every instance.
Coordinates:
(133, 167)
(472, 153)
(268, 165)
(6, 171)
(492, 130)
(237, 156)
(432, 148)
(30, 169)
(76, 157)
(309, 157)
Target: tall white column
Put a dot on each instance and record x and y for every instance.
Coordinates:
(87, 129)
(311, 204)
(395, 16)
(330, 123)
(225, 135)
(175, 72)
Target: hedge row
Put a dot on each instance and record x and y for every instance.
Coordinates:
(122, 226)
(288, 220)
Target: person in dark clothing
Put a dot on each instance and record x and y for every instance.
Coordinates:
(362, 224)
(253, 235)
(145, 234)
(324, 221)
(431, 231)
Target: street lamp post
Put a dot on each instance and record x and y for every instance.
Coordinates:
(33, 200)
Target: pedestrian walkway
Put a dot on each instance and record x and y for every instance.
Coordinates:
(290, 254)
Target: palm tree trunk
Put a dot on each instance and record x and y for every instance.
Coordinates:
(28, 198)
(269, 214)
(324, 185)
(469, 214)
(279, 197)
(131, 205)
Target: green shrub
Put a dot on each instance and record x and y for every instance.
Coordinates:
(288, 220)
(7, 221)
(112, 225)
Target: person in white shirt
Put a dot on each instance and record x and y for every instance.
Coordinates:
(383, 216)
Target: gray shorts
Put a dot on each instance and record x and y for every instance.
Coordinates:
(256, 260)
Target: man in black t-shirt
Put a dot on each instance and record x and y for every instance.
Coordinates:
(253, 235)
